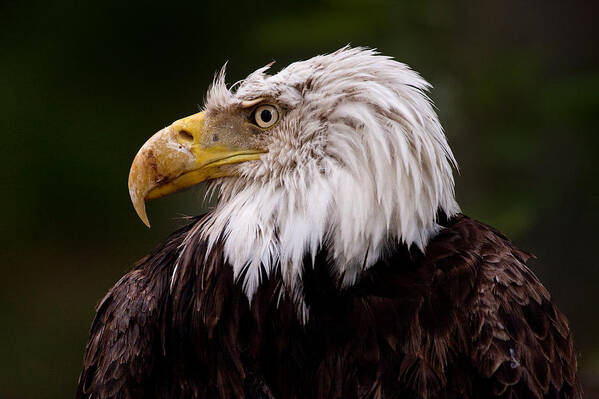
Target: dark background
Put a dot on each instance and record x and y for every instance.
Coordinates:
(83, 84)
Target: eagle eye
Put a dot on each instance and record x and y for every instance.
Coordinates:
(266, 116)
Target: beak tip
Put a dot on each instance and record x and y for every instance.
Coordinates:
(140, 209)
(141, 212)
(146, 222)
(144, 218)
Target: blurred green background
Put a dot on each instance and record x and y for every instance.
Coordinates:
(83, 84)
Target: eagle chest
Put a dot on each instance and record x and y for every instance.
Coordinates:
(395, 331)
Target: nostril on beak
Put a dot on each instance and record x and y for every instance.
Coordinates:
(185, 136)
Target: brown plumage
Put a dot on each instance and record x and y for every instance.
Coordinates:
(465, 319)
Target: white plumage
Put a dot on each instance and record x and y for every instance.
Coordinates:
(358, 160)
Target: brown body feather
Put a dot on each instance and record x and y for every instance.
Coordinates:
(467, 319)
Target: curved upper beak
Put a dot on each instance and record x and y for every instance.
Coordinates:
(178, 157)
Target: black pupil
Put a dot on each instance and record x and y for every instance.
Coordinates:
(266, 115)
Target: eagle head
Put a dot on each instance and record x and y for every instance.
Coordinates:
(342, 151)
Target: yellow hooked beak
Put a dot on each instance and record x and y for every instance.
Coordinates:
(180, 156)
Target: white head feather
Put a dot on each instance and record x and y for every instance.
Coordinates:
(358, 161)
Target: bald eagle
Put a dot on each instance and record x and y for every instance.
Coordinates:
(336, 263)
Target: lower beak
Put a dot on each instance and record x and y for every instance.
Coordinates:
(174, 159)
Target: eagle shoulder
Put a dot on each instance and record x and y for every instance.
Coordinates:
(517, 340)
(125, 342)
